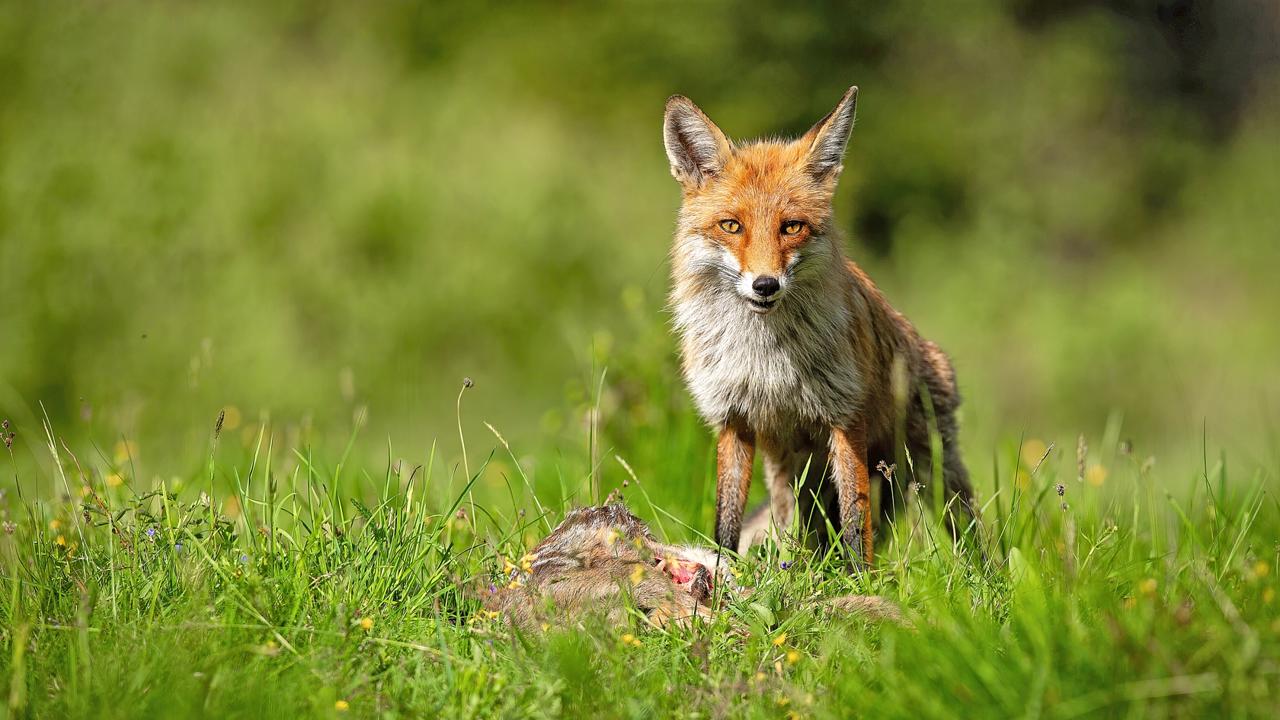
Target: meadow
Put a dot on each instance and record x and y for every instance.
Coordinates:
(283, 584)
(250, 251)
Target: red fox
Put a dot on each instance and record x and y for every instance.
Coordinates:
(788, 346)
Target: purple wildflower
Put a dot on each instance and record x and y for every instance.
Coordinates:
(785, 564)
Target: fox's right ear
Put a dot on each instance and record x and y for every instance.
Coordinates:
(695, 146)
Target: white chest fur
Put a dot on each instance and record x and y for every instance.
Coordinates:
(791, 369)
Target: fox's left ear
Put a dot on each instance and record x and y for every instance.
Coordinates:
(828, 138)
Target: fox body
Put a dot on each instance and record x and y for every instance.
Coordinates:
(603, 559)
(787, 346)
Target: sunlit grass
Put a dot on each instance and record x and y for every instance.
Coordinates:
(276, 583)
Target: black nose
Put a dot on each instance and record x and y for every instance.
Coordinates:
(766, 285)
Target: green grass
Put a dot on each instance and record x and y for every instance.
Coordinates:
(241, 590)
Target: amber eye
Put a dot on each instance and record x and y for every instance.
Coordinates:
(733, 227)
(792, 227)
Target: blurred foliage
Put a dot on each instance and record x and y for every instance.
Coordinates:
(305, 211)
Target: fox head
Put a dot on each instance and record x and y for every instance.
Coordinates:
(756, 216)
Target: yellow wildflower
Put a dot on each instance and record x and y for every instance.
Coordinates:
(793, 657)
(1096, 475)
(366, 623)
(54, 524)
(637, 574)
(342, 706)
(125, 450)
(231, 507)
(778, 641)
(1268, 595)
(629, 639)
(1148, 586)
(1032, 451)
(1261, 569)
(61, 540)
(114, 480)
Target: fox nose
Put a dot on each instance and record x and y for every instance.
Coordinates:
(766, 285)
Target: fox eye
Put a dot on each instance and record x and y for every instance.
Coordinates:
(733, 227)
(792, 227)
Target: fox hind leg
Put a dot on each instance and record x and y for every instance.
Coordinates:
(883, 466)
(774, 516)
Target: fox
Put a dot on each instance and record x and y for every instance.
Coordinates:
(603, 560)
(787, 346)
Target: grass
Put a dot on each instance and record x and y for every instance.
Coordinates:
(275, 583)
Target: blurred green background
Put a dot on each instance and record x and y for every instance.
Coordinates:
(308, 211)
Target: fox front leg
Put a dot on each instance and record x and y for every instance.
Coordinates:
(853, 490)
(735, 453)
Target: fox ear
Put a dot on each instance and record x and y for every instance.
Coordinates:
(828, 138)
(695, 146)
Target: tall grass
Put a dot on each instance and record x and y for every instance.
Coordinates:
(279, 583)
